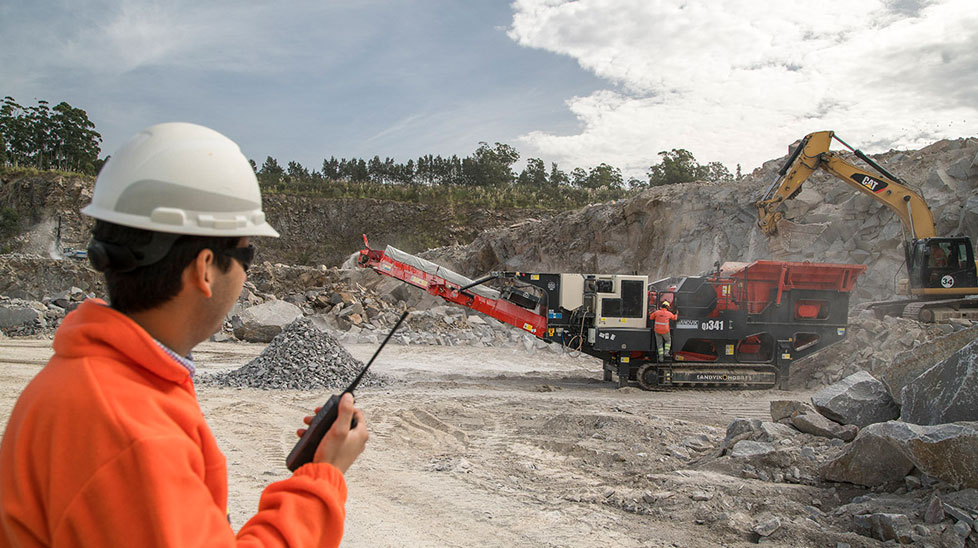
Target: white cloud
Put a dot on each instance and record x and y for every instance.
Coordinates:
(738, 81)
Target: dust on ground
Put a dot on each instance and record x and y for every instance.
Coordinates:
(496, 447)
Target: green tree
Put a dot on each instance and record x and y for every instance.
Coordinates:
(296, 173)
(717, 172)
(534, 175)
(490, 166)
(679, 166)
(358, 170)
(74, 141)
(14, 131)
(407, 172)
(375, 170)
(39, 122)
(331, 169)
(604, 176)
(635, 183)
(558, 177)
(48, 138)
(271, 173)
(578, 177)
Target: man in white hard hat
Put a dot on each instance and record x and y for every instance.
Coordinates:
(107, 445)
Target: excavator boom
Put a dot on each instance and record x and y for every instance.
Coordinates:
(812, 154)
(938, 267)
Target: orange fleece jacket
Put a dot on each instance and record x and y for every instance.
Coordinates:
(107, 446)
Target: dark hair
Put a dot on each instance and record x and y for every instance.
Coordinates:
(146, 287)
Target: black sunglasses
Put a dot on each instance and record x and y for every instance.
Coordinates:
(243, 255)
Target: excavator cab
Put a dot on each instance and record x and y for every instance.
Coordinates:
(942, 263)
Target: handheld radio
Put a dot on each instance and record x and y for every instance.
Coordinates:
(305, 449)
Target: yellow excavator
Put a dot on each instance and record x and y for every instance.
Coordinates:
(941, 270)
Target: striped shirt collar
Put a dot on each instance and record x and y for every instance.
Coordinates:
(187, 362)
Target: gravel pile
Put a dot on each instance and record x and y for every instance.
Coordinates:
(300, 357)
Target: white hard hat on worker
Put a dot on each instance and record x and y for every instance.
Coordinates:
(180, 178)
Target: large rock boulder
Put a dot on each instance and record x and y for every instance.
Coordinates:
(947, 392)
(906, 366)
(13, 316)
(872, 459)
(749, 449)
(858, 399)
(740, 429)
(788, 409)
(263, 322)
(884, 527)
(817, 425)
(948, 452)
(884, 453)
(755, 430)
(21, 319)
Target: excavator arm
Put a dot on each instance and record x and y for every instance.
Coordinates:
(937, 267)
(812, 154)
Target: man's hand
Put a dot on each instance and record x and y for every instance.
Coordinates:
(341, 445)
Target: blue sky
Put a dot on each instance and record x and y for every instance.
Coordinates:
(578, 83)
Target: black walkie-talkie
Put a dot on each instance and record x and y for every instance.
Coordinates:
(305, 449)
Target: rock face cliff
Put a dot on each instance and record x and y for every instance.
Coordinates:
(314, 231)
(326, 231)
(683, 229)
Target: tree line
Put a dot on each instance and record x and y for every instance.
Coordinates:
(42, 137)
(63, 138)
(489, 166)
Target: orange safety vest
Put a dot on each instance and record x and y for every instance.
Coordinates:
(662, 317)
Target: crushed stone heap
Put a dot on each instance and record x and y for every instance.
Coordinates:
(301, 357)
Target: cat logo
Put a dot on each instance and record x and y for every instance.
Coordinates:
(873, 185)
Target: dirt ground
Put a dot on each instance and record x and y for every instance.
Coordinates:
(495, 447)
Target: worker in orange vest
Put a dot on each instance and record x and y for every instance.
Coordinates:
(663, 337)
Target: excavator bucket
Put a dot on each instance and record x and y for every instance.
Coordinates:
(793, 237)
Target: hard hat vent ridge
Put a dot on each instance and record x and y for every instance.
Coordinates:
(181, 178)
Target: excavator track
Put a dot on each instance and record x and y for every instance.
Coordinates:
(913, 311)
(942, 310)
(925, 311)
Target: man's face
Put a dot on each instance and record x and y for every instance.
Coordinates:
(227, 289)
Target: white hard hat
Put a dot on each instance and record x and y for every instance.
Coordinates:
(183, 179)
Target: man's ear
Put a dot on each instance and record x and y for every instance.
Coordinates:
(199, 274)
